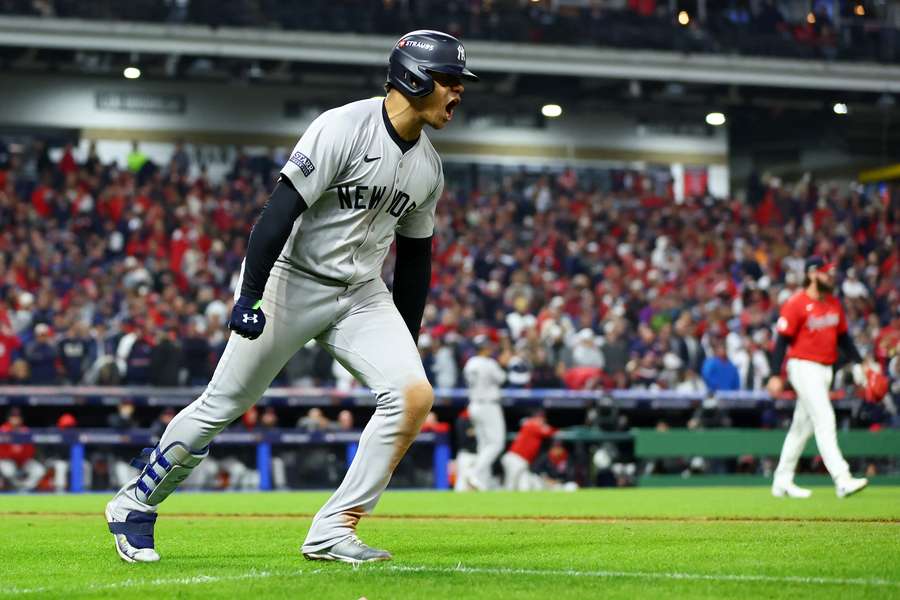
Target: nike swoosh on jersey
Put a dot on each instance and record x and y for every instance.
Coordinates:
(367, 159)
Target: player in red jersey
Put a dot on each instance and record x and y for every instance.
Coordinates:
(811, 327)
(524, 450)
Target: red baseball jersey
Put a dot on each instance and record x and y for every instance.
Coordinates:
(528, 443)
(814, 326)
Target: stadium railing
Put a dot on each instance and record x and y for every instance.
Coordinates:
(27, 395)
(648, 444)
(78, 439)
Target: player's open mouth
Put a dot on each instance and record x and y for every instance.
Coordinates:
(450, 106)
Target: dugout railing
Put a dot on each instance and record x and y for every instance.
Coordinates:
(647, 444)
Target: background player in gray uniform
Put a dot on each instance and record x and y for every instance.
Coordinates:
(484, 376)
(359, 174)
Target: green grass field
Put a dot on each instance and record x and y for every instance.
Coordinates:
(669, 542)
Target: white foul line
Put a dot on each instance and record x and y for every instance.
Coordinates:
(720, 577)
(723, 577)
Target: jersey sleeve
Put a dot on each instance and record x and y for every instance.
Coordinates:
(420, 222)
(319, 156)
(791, 318)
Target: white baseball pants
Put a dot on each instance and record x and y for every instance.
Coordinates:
(490, 436)
(813, 415)
(360, 326)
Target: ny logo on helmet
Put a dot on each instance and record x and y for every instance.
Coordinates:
(460, 53)
(248, 318)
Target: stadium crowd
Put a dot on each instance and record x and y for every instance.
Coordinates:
(831, 29)
(583, 278)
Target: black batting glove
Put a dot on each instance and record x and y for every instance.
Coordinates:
(247, 318)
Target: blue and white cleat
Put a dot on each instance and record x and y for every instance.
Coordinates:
(133, 533)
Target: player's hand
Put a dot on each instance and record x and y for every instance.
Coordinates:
(775, 386)
(247, 318)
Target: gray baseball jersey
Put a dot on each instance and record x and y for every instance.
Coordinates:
(360, 188)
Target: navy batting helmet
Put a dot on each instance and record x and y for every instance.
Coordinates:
(420, 53)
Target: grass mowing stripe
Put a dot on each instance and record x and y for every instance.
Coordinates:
(460, 569)
(521, 518)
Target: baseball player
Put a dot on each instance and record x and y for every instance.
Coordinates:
(360, 174)
(523, 451)
(811, 327)
(484, 376)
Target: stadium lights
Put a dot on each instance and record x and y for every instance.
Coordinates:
(715, 119)
(551, 111)
(840, 108)
(684, 18)
(131, 73)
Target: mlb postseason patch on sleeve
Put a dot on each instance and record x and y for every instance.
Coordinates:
(302, 161)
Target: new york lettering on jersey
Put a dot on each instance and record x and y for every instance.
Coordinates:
(364, 197)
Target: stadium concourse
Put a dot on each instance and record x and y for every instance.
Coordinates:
(588, 278)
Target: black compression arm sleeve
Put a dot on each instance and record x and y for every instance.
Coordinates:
(412, 277)
(845, 343)
(269, 236)
(781, 344)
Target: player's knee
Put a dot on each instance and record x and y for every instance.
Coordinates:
(419, 398)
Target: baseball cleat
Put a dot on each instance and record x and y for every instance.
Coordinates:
(352, 550)
(790, 490)
(133, 534)
(849, 486)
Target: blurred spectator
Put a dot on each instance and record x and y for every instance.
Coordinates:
(41, 356)
(433, 425)
(10, 344)
(718, 372)
(122, 420)
(345, 421)
(315, 420)
(445, 367)
(60, 464)
(165, 359)
(162, 421)
(752, 361)
(18, 467)
(139, 355)
(136, 159)
(74, 352)
(181, 161)
(686, 344)
(615, 350)
(196, 354)
(555, 468)
(586, 353)
(690, 382)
